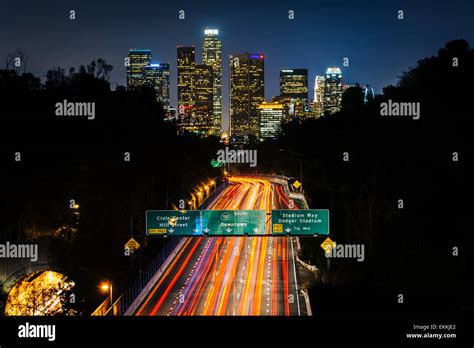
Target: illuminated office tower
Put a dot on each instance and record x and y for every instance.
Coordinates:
(318, 100)
(157, 76)
(294, 84)
(247, 90)
(212, 56)
(288, 104)
(332, 90)
(203, 94)
(186, 66)
(137, 61)
(369, 94)
(270, 118)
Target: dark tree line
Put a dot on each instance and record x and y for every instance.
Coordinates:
(74, 158)
(392, 159)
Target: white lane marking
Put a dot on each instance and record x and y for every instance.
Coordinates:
(294, 272)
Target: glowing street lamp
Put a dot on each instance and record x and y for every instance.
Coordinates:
(199, 194)
(107, 287)
(193, 199)
(75, 209)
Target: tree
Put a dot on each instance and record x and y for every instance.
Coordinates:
(103, 69)
(100, 69)
(43, 293)
(11, 60)
(56, 79)
(352, 99)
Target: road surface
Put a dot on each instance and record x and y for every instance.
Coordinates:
(232, 275)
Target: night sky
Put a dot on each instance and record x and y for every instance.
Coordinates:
(378, 45)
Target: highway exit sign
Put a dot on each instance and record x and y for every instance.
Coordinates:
(233, 222)
(173, 223)
(307, 222)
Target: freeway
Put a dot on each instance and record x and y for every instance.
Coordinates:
(232, 275)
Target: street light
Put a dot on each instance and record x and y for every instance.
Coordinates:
(199, 194)
(75, 209)
(107, 287)
(193, 198)
(301, 163)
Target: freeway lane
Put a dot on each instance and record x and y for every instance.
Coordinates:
(232, 275)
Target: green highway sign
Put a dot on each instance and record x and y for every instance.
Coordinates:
(233, 222)
(173, 223)
(216, 163)
(308, 222)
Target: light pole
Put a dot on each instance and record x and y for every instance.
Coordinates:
(193, 201)
(107, 287)
(301, 163)
(310, 160)
(199, 194)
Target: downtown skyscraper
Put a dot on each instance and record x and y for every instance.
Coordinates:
(186, 66)
(294, 86)
(203, 94)
(142, 73)
(333, 90)
(212, 56)
(247, 91)
(270, 117)
(318, 100)
(157, 76)
(137, 61)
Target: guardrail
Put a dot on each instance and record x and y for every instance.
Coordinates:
(132, 297)
(131, 309)
(121, 304)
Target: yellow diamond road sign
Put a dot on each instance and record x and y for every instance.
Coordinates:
(296, 184)
(132, 244)
(328, 245)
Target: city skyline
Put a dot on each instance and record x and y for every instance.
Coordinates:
(302, 42)
(198, 96)
(280, 160)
